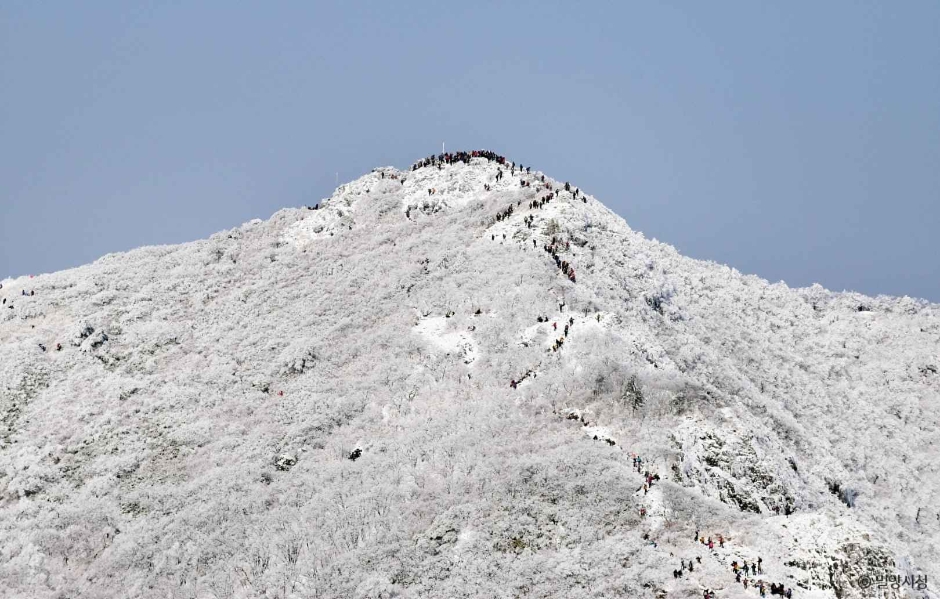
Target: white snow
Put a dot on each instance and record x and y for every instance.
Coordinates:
(192, 436)
(439, 335)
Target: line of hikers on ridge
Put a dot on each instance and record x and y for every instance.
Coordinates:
(648, 477)
(555, 347)
(563, 265)
(529, 221)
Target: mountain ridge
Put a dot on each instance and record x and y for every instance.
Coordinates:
(396, 320)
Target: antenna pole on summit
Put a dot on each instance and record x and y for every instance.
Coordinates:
(442, 148)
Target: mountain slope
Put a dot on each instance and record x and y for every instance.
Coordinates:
(193, 436)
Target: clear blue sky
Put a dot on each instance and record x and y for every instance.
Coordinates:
(798, 142)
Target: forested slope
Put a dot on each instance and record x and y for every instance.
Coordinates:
(378, 398)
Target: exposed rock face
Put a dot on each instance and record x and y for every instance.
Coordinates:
(285, 462)
(737, 470)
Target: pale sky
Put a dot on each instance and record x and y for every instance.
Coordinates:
(798, 141)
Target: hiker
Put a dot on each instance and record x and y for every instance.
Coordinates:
(42, 347)
(58, 347)
(760, 568)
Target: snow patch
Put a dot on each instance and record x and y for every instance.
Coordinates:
(438, 334)
(454, 186)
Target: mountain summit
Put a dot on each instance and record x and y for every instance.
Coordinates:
(463, 379)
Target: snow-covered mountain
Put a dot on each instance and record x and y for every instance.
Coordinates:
(378, 398)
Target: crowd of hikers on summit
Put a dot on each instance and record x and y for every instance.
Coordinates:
(440, 160)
